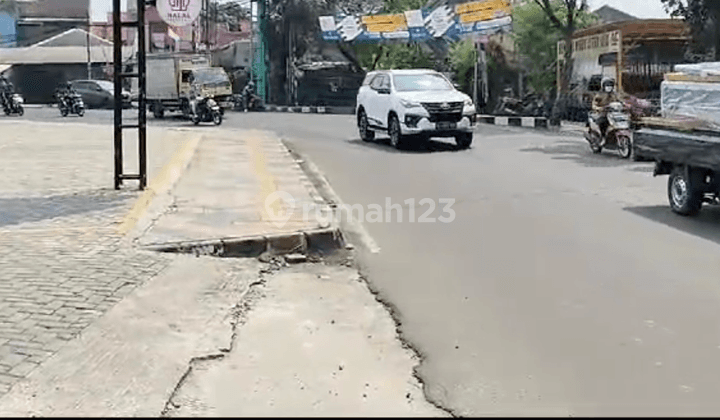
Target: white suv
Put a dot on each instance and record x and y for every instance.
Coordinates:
(413, 103)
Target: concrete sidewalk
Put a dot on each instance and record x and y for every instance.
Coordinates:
(242, 187)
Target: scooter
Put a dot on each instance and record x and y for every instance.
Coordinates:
(254, 103)
(71, 104)
(207, 111)
(618, 135)
(13, 104)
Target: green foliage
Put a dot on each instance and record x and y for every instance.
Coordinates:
(462, 56)
(536, 39)
(394, 56)
(703, 18)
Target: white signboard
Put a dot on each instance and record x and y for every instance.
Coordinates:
(414, 19)
(179, 12)
(327, 23)
(350, 28)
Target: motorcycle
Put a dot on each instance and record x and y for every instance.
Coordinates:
(207, 111)
(13, 104)
(253, 103)
(71, 104)
(618, 135)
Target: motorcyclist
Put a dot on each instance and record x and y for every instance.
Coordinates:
(65, 92)
(6, 91)
(600, 102)
(195, 96)
(248, 93)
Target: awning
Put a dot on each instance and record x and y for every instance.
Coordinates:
(60, 55)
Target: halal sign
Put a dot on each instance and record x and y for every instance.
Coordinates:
(179, 12)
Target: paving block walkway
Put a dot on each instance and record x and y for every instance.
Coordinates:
(63, 262)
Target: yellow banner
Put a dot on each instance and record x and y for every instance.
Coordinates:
(385, 23)
(482, 10)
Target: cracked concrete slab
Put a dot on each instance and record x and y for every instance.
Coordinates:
(317, 344)
(130, 361)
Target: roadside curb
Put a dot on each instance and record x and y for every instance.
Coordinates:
(341, 110)
(323, 241)
(529, 122)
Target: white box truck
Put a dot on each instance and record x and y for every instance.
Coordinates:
(168, 82)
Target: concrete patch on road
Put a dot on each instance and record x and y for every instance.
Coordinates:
(317, 344)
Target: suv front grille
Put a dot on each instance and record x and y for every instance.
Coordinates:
(444, 111)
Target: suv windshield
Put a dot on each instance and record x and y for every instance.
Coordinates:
(415, 82)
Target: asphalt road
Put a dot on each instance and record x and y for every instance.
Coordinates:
(563, 286)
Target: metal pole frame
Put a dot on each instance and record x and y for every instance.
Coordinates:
(118, 77)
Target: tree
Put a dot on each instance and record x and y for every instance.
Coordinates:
(565, 17)
(703, 18)
(462, 57)
(536, 37)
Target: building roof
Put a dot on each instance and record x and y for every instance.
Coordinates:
(60, 55)
(646, 30)
(69, 47)
(609, 14)
(75, 37)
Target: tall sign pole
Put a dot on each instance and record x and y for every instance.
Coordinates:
(118, 77)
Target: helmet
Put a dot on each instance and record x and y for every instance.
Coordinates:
(251, 84)
(607, 82)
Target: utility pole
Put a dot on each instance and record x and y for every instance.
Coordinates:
(87, 41)
(475, 75)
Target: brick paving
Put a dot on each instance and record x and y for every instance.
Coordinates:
(62, 262)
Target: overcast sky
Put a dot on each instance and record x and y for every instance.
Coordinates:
(641, 8)
(645, 9)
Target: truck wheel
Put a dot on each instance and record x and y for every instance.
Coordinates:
(158, 111)
(685, 198)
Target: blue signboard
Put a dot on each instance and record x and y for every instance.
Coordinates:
(483, 17)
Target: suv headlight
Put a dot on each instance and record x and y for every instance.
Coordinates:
(468, 102)
(409, 104)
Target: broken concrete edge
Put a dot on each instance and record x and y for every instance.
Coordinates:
(324, 241)
(528, 122)
(343, 110)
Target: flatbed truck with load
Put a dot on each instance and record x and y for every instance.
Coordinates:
(169, 76)
(685, 141)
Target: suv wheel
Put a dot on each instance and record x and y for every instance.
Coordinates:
(396, 137)
(464, 140)
(366, 134)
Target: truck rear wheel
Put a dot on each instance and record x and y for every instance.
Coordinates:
(158, 111)
(685, 197)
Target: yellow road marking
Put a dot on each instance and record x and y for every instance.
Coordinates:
(268, 185)
(169, 174)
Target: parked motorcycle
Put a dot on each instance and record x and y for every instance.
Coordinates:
(618, 135)
(13, 104)
(71, 104)
(207, 110)
(253, 103)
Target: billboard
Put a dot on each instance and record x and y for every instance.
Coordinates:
(471, 18)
